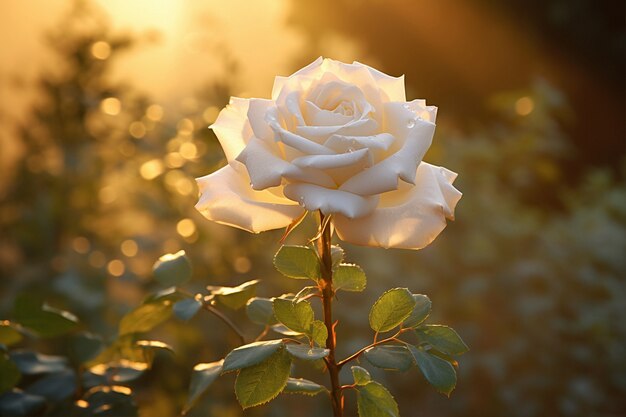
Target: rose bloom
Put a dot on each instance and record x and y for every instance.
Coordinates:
(335, 137)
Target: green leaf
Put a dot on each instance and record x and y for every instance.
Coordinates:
(337, 254)
(304, 292)
(204, 374)
(306, 352)
(151, 347)
(390, 357)
(349, 277)
(261, 311)
(123, 353)
(31, 363)
(298, 262)
(17, 403)
(261, 383)
(56, 387)
(145, 317)
(284, 330)
(172, 294)
(172, 269)
(110, 401)
(438, 372)
(9, 372)
(187, 308)
(442, 338)
(391, 309)
(251, 354)
(361, 375)
(296, 316)
(373, 400)
(302, 386)
(44, 320)
(85, 346)
(9, 335)
(420, 311)
(235, 297)
(319, 332)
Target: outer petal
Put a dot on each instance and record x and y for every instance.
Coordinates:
(232, 128)
(410, 217)
(266, 169)
(392, 86)
(226, 198)
(331, 201)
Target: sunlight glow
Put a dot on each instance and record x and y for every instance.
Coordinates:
(116, 268)
(186, 227)
(81, 245)
(151, 169)
(111, 106)
(524, 106)
(101, 50)
(129, 248)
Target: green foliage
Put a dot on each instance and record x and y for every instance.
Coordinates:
(203, 376)
(261, 383)
(349, 277)
(337, 255)
(172, 269)
(319, 332)
(438, 372)
(442, 338)
(110, 401)
(306, 353)
(305, 292)
(420, 312)
(373, 400)
(303, 386)
(390, 357)
(44, 320)
(299, 262)
(234, 297)
(9, 335)
(187, 308)
(10, 373)
(22, 404)
(55, 387)
(391, 309)
(32, 363)
(296, 316)
(251, 354)
(360, 375)
(145, 317)
(85, 346)
(261, 311)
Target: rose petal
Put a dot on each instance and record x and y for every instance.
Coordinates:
(314, 116)
(232, 128)
(331, 201)
(393, 87)
(226, 198)
(279, 82)
(341, 143)
(417, 135)
(267, 169)
(409, 218)
(331, 161)
(257, 111)
(421, 110)
(300, 143)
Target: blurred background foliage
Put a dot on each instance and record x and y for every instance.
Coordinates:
(97, 182)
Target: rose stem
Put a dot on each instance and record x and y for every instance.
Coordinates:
(326, 284)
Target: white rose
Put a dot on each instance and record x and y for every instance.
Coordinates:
(335, 137)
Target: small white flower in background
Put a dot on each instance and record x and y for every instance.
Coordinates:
(335, 137)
